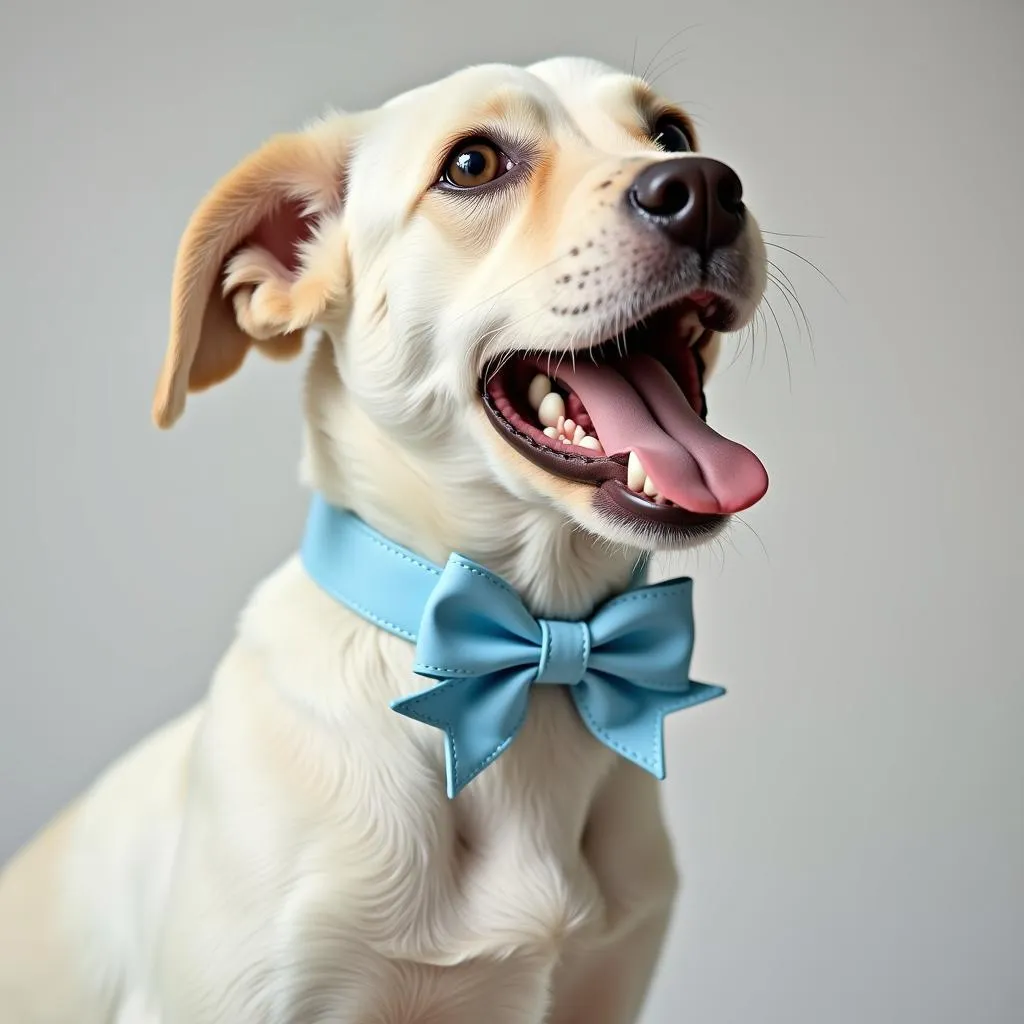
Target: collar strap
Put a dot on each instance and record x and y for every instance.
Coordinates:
(378, 579)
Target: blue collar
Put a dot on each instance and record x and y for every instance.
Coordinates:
(626, 667)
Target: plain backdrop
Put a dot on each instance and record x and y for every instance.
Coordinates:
(851, 817)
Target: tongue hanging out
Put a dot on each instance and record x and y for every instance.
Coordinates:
(636, 405)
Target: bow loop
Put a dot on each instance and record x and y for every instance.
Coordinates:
(646, 635)
(474, 624)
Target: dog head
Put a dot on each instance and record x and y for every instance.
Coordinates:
(519, 277)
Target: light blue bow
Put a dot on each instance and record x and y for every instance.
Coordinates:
(626, 667)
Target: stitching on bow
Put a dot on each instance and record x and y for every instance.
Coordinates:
(446, 728)
(500, 584)
(648, 762)
(420, 669)
(649, 595)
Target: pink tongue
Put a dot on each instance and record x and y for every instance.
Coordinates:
(637, 406)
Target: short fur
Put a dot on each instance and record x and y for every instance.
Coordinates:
(285, 852)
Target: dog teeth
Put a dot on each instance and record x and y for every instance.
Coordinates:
(637, 479)
(636, 475)
(540, 387)
(551, 409)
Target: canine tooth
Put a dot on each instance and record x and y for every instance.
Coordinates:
(578, 434)
(635, 473)
(539, 387)
(551, 409)
(550, 432)
(592, 443)
(649, 489)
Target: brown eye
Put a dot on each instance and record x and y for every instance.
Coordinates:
(475, 163)
(671, 135)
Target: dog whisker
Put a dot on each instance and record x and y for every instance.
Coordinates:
(794, 305)
(661, 49)
(788, 291)
(668, 68)
(803, 259)
(782, 338)
(787, 234)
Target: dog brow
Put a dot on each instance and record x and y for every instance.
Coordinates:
(651, 106)
(512, 103)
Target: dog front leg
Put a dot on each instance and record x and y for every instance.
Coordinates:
(629, 852)
(609, 985)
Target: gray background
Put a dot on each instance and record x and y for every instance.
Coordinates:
(851, 817)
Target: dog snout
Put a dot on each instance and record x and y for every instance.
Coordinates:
(694, 201)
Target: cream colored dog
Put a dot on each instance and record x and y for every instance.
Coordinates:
(474, 258)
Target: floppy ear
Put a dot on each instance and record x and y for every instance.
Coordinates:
(254, 266)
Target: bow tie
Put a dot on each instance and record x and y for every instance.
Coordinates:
(625, 667)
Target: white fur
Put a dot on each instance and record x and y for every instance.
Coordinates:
(285, 852)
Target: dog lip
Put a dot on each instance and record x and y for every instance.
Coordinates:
(620, 504)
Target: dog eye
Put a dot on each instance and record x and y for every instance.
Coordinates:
(671, 135)
(475, 163)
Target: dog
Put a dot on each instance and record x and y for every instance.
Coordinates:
(467, 262)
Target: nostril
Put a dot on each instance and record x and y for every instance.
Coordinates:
(730, 194)
(673, 199)
(664, 198)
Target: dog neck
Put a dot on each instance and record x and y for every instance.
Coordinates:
(440, 502)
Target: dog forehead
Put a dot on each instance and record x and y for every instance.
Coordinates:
(604, 102)
(576, 95)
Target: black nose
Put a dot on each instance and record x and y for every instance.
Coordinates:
(694, 200)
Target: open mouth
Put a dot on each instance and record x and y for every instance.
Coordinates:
(629, 417)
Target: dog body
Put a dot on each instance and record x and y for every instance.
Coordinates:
(286, 851)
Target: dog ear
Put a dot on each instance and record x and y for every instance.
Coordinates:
(254, 266)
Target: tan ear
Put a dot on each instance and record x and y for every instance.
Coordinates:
(254, 266)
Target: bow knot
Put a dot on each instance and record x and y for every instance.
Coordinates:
(626, 667)
(564, 651)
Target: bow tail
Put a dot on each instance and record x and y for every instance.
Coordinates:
(479, 715)
(630, 719)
